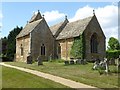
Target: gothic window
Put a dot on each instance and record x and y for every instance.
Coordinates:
(42, 49)
(59, 49)
(94, 43)
(21, 50)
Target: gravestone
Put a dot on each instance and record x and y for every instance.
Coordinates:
(71, 62)
(106, 65)
(29, 59)
(112, 61)
(95, 65)
(39, 61)
(66, 62)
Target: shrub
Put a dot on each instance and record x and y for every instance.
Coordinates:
(77, 48)
(113, 54)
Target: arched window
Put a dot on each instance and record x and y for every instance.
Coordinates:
(42, 49)
(94, 43)
(21, 49)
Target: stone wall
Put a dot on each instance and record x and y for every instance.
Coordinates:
(42, 35)
(92, 28)
(25, 42)
(66, 45)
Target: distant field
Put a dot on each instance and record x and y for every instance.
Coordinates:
(79, 73)
(13, 78)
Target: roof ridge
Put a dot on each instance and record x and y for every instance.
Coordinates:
(28, 28)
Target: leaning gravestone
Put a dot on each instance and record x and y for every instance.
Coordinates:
(96, 65)
(29, 59)
(39, 61)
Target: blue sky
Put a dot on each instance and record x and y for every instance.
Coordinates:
(19, 13)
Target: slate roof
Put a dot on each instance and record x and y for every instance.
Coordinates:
(28, 28)
(74, 29)
(35, 17)
(55, 28)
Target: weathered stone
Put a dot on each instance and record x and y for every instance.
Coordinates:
(71, 62)
(66, 62)
(40, 62)
(61, 36)
(29, 59)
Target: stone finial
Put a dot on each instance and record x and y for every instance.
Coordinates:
(38, 11)
(93, 12)
(43, 15)
(65, 16)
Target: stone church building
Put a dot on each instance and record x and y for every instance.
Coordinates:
(38, 39)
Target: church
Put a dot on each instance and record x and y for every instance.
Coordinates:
(56, 42)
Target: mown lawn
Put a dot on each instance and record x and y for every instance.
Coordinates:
(12, 78)
(0, 77)
(79, 73)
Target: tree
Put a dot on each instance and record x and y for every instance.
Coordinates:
(4, 45)
(113, 44)
(11, 44)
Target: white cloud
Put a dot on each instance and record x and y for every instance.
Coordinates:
(82, 13)
(1, 16)
(107, 17)
(53, 15)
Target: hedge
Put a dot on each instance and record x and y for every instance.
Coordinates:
(113, 54)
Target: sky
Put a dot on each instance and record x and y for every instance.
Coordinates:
(14, 14)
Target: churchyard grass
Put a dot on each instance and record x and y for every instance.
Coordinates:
(79, 73)
(0, 77)
(12, 78)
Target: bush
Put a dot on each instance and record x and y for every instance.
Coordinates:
(112, 54)
(77, 48)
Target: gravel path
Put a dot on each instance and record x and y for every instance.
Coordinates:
(66, 82)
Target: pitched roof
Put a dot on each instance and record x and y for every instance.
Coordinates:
(74, 29)
(28, 28)
(35, 17)
(55, 28)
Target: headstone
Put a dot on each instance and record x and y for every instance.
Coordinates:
(29, 59)
(85, 62)
(50, 57)
(106, 65)
(71, 62)
(95, 65)
(66, 62)
(112, 61)
(39, 61)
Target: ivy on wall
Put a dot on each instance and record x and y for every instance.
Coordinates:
(77, 48)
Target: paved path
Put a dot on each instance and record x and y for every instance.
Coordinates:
(66, 82)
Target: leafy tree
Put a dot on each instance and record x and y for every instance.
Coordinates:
(4, 45)
(11, 44)
(113, 44)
